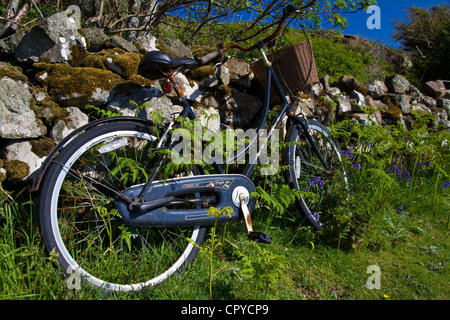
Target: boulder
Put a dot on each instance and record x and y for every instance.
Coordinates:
(344, 105)
(403, 102)
(435, 89)
(22, 151)
(53, 38)
(444, 104)
(96, 38)
(428, 101)
(223, 73)
(10, 44)
(240, 72)
(153, 98)
(177, 48)
(397, 84)
(17, 118)
(349, 84)
(304, 104)
(121, 43)
(376, 89)
(62, 128)
(420, 109)
(146, 43)
(76, 86)
(357, 100)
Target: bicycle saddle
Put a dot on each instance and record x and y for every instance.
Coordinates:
(154, 64)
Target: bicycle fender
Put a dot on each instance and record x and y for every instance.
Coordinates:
(40, 174)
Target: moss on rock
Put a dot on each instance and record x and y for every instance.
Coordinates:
(67, 83)
(16, 170)
(202, 72)
(42, 147)
(13, 72)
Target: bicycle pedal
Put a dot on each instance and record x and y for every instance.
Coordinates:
(259, 237)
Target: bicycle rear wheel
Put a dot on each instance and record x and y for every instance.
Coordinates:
(319, 186)
(80, 224)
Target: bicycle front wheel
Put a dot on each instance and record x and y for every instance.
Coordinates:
(321, 186)
(81, 226)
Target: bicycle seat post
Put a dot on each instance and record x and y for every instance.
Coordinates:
(260, 46)
(176, 85)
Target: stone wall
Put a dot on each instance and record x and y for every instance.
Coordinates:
(50, 73)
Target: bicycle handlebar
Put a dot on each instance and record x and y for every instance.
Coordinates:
(287, 12)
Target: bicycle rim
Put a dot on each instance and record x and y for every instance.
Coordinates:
(321, 188)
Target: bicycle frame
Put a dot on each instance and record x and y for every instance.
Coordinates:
(271, 79)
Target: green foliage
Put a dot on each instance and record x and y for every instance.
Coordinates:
(263, 268)
(278, 199)
(425, 34)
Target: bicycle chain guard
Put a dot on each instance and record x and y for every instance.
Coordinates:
(162, 208)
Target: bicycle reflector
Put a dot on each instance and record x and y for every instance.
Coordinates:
(167, 87)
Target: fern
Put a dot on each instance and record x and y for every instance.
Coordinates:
(279, 199)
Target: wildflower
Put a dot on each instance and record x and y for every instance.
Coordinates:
(313, 182)
(422, 163)
(356, 165)
(445, 185)
(315, 215)
(400, 173)
(348, 153)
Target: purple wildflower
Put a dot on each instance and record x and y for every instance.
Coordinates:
(400, 173)
(356, 165)
(445, 185)
(348, 153)
(422, 163)
(315, 215)
(313, 182)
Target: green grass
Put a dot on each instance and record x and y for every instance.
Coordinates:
(399, 223)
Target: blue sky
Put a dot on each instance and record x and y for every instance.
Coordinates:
(389, 10)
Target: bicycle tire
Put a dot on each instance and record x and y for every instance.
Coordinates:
(78, 223)
(307, 174)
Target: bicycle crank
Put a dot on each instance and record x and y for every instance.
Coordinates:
(241, 196)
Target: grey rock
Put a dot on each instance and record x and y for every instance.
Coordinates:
(121, 43)
(17, 120)
(53, 38)
(444, 104)
(97, 38)
(177, 47)
(62, 128)
(22, 151)
(376, 89)
(344, 105)
(397, 84)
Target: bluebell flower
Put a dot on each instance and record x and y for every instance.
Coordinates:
(313, 182)
(423, 163)
(315, 215)
(356, 165)
(400, 173)
(348, 152)
(445, 185)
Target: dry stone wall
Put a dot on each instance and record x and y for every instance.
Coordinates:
(50, 73)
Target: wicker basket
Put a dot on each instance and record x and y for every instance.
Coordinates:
(294, 63)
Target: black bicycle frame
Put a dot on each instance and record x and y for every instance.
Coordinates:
(271, 79)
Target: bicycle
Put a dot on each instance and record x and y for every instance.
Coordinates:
(110, 213)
